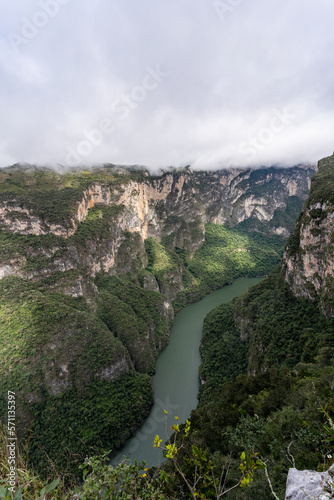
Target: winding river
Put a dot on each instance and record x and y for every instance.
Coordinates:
(176, 382)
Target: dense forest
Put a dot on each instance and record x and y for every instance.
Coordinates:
(267, 374)
(287, 349)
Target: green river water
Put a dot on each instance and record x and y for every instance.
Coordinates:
(176, 382)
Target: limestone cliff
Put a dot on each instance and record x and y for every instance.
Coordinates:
(174, 205)
(309, 257)
(92, 265)
(284, 343)
(60, 232)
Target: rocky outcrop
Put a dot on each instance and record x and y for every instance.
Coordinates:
(150, 282)
(225, 196)
(309, 257)
(175, 206)
(310, 485)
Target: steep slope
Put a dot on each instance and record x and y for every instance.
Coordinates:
(97, 221)
(92, 265)
(275, 321)
(174, 205)
(39, 201)
(268, 356)
(309, 257)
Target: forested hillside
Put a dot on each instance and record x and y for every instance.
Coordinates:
(93, 265)
(268, 357)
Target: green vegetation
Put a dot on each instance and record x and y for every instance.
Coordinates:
(56, 348)
(79, 351)
(122, 482)
(170, 270)
(63, 361)
(289, 344)
(99, 224)
(224, 354)
(197, 473)
(192, 471)
(53, 196)
(322, 188)
(29, 486)
(283, 408)
(126, 480)
(137, 317)
(13, 244)
(86, 421)
(266, 327)
(160, 259)
(228, 253)
(277, 414)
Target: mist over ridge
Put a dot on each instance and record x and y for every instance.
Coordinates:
(146, 84)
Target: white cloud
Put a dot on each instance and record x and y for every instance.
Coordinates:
(227, 78)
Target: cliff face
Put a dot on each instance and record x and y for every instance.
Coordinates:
(92, 265)
(285, 344)
(309, 257)
(225, 196)
(174, 205)
(61, 231)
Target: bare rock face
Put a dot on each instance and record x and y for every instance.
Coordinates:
(175, 205)
(311, 270)
(309, 257)
(150, 283)
(231, 196)
(310, 485)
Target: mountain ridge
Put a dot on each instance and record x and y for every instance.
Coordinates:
(93, 266)
(268, 356)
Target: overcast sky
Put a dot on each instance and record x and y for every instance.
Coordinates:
(212, 83)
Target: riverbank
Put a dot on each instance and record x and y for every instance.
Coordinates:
(176, 382)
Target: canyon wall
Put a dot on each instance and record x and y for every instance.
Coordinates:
(173, 205)
(309, 257)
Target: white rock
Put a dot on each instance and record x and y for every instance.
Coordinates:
(310, 485)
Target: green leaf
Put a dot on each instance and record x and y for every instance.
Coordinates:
(157, 442)
(3, 493)
(52, 486)
(245, 482)
(171, 450)
(18, 494)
